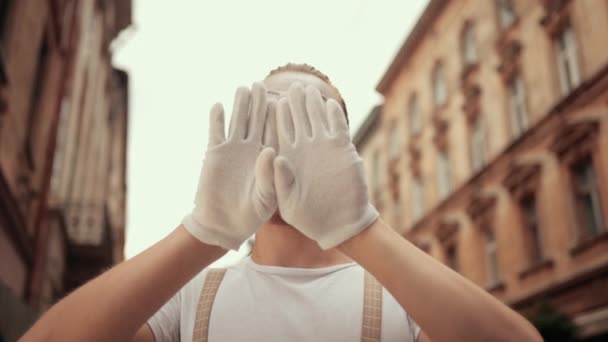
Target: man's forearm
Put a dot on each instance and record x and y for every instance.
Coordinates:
(447, 306)
(113, 306)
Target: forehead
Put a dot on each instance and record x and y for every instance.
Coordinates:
(280, 82)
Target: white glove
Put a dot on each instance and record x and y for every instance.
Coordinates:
(235, 192)
(319, 177)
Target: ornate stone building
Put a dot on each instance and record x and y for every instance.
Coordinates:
(63, 131)
(490, 151)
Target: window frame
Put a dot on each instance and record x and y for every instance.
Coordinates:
(414, 115)
(417, 198)
(478, 142)
(444, 177)
(534, 248)
(447, 233)
(518, 107)
(452, 258)
(572, 143)
(469, 51)
(500, 11)
(439, 85)
(395, 143)
(493, 275)
(582, 232)
(569, 75)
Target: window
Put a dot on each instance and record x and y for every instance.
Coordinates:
(492, 257)
(586, 198)
(415, 120)
(440, 92)
(531, 226)
(517, 99)
(451, 256)
(395, 142)
(506, 13)
(417, 199)
(567, 61)
(478, 143)
(469, 48)
(443, 174)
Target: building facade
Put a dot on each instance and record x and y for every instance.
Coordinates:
(490, 151)
(63, 135)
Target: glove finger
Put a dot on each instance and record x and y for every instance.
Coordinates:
(216, 125)
(337, 119)
(284, 178)
(286, 129)
(240, 114)
(270, 127)
(264, 177)
(258, 111)
(316, 111)
(297, 104)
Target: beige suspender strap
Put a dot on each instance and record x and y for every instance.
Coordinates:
(205, 303)
(372, 309)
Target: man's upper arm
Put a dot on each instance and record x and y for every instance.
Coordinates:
(144, 334)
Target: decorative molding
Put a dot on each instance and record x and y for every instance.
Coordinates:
(481, 206)
(522, 178)
(539, 266)
(471, 106)
(469, 71)
(441, 127)
(585, 244)
(574, 140)
(556, 15)
(508, 54)
(446, 231)
(415, 157)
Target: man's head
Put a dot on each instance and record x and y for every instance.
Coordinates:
(275, 241)
(278, 81)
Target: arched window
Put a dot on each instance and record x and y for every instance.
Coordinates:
(506, 13)
(395, 141)
(417, 199)
(444, 178)
(414, 117)
(478, 143)
(468, 46)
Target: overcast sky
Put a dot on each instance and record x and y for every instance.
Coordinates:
(183, 56)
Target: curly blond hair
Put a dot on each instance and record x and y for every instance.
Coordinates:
(309, 69)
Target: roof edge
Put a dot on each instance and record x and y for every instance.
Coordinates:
(428, 16)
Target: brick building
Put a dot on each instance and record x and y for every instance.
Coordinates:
(63, 131)
(490, 151)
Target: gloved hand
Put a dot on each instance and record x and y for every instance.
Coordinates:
(319, 177)
(235, 192)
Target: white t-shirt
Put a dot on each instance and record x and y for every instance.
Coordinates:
(269, 303)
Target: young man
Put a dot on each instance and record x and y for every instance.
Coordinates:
(308, 278)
